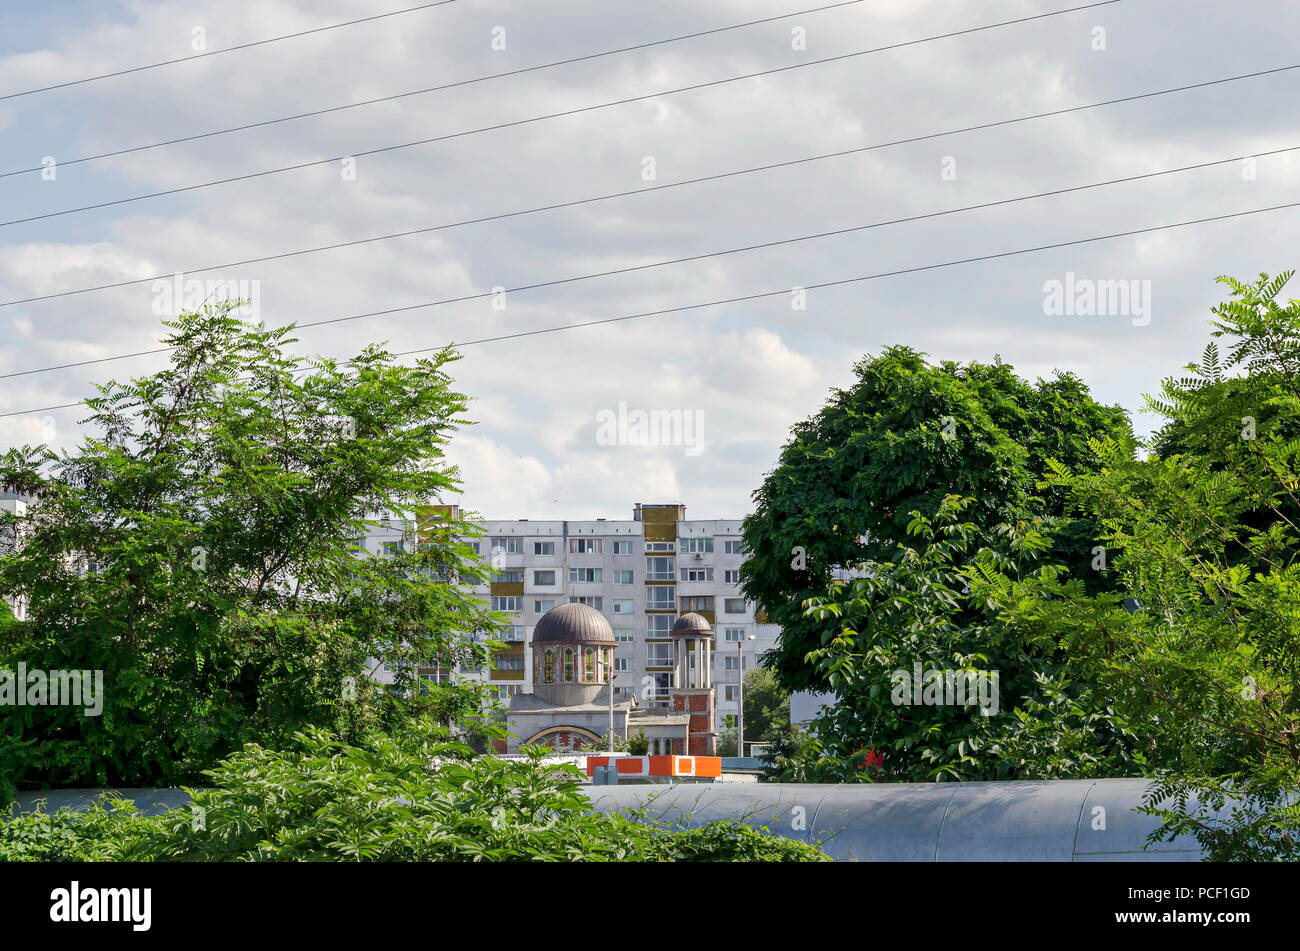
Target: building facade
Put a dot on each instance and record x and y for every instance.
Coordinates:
(14, 503)
(642, 574)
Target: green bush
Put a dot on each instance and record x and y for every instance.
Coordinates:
(97, 834)
(409, 798)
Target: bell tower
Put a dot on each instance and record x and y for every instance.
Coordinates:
(692, 690)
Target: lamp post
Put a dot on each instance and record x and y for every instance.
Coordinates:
(740, 696)
(613, 676)
(610, 771)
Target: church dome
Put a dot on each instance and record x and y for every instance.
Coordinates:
(573, 623)
(691, 625)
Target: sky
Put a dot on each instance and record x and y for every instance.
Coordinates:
(737, 375)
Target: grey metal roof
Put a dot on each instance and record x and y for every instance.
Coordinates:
(1056, 821)
(573, 623)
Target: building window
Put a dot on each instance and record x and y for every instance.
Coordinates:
(585, 575)
(585, 546)
(660, 655)
(506, 692)
(660, 597)
(508, 662)
(729, 692)
(734, 546)
(624, 605)
(548, 666)
(660, 546)
(500, 603)
(621, 665)
(509, 546)
(731, 576)
(730, 663)
(474, 545)
(697, 545)
(733, 634)
(729, 721)
(696, 574)
(659, 569)
(568, 665)
(661, 688)
(512, 634)
(544, 579)
(624, 636)
(623, 577)
(391, 549)
(543, 548)
(589, 665)
(733, 606)
(696, 603)
(597, 602)
(658, 625)
(623, 547)
(509, 576)
(542, 605)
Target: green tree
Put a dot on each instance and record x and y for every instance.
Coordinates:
(200, 550)
(767, 705)
(1202, 538)
(727, 741)
(932, 685)
(902, 438)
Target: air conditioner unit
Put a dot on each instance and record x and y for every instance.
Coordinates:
(699, 556)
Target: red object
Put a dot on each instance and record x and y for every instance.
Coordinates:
(871, 758)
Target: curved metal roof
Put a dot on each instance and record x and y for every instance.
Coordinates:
(1051, 821)
(573, 623)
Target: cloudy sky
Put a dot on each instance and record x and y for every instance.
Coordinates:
(746, 371)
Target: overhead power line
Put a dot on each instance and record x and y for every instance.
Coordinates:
(699, 257)
(228, 49)
(532, 119)
(781, 291)
(428, 89)
(634, 191)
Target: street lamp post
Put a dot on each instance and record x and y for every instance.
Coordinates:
(740, 696)
(613, 676)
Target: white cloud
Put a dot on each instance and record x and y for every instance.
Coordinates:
(752, 368)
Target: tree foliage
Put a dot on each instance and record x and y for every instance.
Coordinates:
(932, 685)
(413, 796)
(199, 550)
(1203, 539)
(906, 435)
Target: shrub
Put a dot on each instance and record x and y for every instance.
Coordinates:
(396, 798)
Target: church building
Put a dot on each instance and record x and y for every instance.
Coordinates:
(574, 649)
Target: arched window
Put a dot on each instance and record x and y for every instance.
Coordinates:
(568, 665)
(548, 667)
(589, 665)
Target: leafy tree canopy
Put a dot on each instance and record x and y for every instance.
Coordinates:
(932, 684)
(411, 796)
(1204, 540)
(902, 438)
(199, 551)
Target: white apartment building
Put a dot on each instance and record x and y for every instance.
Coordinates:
(642, 574)
(15, 504)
